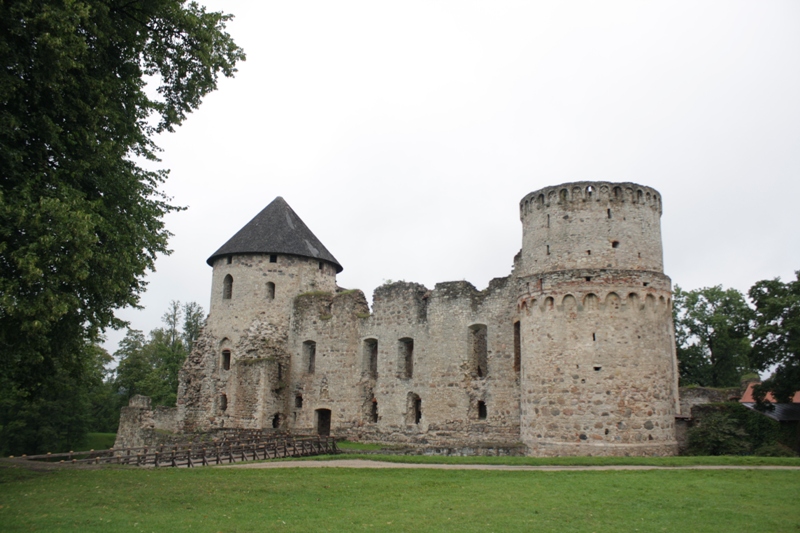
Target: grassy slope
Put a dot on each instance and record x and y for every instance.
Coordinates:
(212, 499)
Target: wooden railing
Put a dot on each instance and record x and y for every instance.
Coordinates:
(190, 455)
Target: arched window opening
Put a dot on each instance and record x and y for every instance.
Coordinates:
(371, 357)
(270, 291)
(309, 356)
(227, 287)
(298, 401)
(481, 410)
(223, 402)
(405, 348)
(517, 347)
(478, 350)
(226, 359)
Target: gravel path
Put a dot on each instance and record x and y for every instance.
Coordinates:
(362, 463)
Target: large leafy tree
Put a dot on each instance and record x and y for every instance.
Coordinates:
(776, 336)
(81, 220)
(712, 328)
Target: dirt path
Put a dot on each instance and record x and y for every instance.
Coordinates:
(362, 463)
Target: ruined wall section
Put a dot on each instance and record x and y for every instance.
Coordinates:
(325, 361)
(361, 371)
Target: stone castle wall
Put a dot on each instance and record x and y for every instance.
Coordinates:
(573, 353)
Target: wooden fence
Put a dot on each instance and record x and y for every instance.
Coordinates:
(210, 453)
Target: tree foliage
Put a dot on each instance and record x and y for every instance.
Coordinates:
(151, 366)
(712, 328)
(776, 336)
(81, 221)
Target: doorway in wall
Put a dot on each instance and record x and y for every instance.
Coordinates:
(323, 421)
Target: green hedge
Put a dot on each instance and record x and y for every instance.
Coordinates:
(730, 428)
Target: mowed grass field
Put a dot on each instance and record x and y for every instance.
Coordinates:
(344, 499)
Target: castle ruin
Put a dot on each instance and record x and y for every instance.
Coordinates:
(571, 354)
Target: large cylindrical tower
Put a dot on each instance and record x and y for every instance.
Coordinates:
(599, 374)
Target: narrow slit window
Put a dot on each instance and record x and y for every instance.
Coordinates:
(548, 249)
(310, 356)
(373, 413)
(298, 401)
(270, 291)
(223, 403)
(276, 421)
(517, 347)
(320, 265)
(226, 359)
(548, 221)
(608, 211)
(229, 259)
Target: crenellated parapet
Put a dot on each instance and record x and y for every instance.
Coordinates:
(583, 192)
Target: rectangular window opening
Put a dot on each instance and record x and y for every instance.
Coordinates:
(273, 258)
(226, 359)
(310, 355)
(478, 350)
(481, 410)
(406, 356)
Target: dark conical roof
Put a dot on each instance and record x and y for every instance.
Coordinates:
(276, 230)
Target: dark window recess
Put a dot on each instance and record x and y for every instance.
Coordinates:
(280, 371)
(594, 336)
(273, 258)
(598, 368)
(417, 410)
(223, 403)
(588, 278)
(645, 284)
(373, 414)
(517, 347)
(406, 356)
(548, 221)
(226, 359)
(310, 355)
(270, 291)
(481, 410)
(298, 401)
(227, 287)
(371, 357)
(588, 252)
(608, 211)
(478, 350)
(229, 259)
(320, 265)
(615, 244)
(276, 421)
(548, 249)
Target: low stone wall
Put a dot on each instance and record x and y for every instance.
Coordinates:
(141, 425)
(691, 396)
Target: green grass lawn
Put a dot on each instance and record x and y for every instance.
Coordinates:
(341, 499)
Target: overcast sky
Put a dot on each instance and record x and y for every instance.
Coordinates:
(405, 133)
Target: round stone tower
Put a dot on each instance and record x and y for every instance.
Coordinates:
(599, 374)
(260, 270)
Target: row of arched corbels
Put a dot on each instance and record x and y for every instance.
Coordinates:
(592, 302)
(586, 192)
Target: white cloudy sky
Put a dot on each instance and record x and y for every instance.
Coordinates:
(405, 133)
